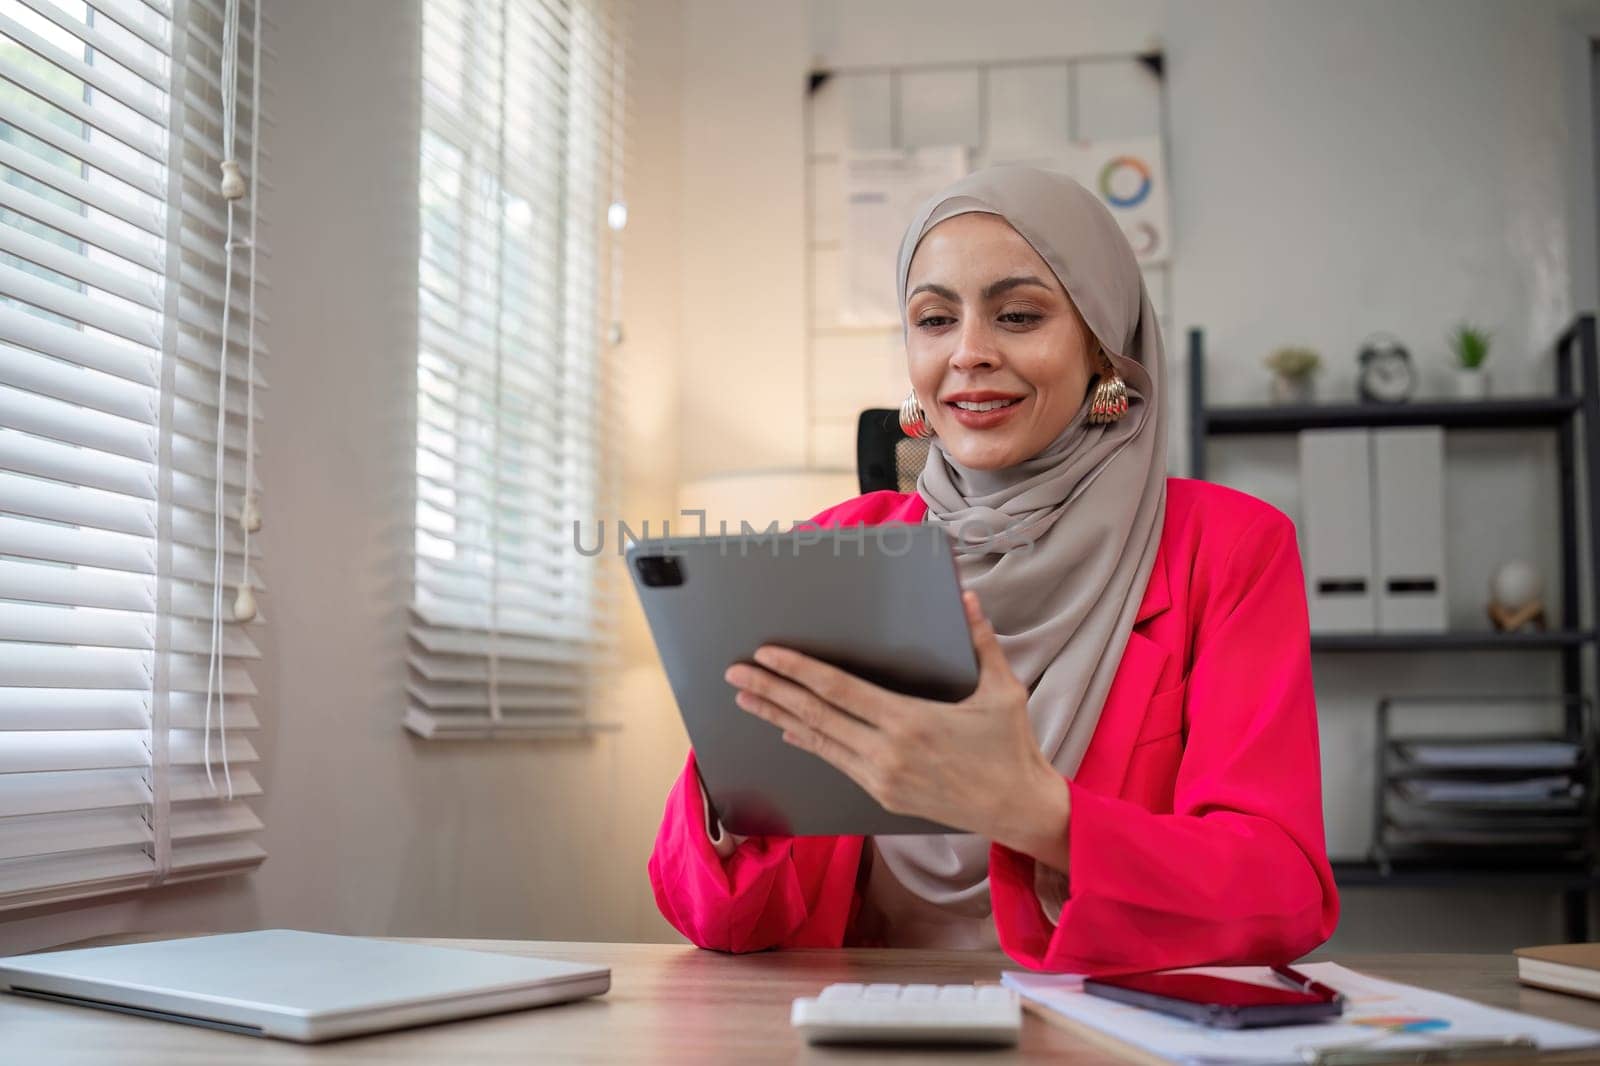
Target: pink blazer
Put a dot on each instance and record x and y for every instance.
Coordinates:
(1196, 830)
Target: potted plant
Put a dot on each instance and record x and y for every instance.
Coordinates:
(1470, 346)
(1292, 369)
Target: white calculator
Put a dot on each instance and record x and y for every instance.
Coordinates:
(909, 1014)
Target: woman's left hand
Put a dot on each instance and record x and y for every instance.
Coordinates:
(972, 765)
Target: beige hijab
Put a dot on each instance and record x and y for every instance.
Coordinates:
(1059, 548)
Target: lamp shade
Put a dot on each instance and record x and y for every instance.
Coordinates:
(761, 497)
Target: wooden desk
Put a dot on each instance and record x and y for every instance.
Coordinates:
(674, 1004)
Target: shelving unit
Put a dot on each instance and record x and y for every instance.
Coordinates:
(1484, 641)
(1424, 803)
(1572, 412)
(1554, 878)
(1524, 413)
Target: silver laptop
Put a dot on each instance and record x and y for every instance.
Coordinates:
(297, 986)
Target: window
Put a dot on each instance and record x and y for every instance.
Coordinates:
(111, 283)
(519, 173)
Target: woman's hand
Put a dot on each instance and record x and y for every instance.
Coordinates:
(972, 765)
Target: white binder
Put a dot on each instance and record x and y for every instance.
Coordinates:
(1336, 499)
(1408, 495)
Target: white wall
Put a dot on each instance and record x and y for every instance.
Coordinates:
(742, 261)
(1341, 168)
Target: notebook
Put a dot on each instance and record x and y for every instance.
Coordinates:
(1571, 968)
(1384, 1021)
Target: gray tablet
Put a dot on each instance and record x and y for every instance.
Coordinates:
(883, 602)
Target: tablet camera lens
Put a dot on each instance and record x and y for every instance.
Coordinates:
(659, 571)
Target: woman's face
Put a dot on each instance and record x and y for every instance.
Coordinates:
(998, 354)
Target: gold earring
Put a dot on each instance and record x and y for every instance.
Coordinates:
(1108, 401)
(913, 420)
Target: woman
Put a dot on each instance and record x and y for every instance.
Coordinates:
(1137, 772)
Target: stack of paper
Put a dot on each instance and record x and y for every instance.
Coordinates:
(1482, 798)
(1529, 790)
(1524, 754)
(1379, 1016)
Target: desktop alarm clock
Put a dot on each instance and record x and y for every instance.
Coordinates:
(1386, 374)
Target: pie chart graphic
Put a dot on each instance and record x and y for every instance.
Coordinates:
(1143, 238)
(1125, 181)
(1403, 1023)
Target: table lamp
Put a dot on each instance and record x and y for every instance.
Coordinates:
(760, 497)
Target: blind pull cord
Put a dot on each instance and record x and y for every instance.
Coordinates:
(233, 187)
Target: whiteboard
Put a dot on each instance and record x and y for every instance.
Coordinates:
(877, 136)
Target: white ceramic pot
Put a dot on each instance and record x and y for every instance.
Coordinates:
(1472, 384)
(1293, 390)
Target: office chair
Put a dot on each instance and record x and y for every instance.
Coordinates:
(885, 457)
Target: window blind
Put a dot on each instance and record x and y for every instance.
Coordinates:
(111, 280)
(520, 170)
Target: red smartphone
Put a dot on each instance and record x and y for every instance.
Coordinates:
(1218, 1001)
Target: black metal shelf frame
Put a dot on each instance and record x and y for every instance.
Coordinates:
(1576, 879)
(1362, 873)
(1573, 413)
(1484, 640)
(1526, 412)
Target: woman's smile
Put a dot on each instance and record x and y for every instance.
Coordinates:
(983, 409)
